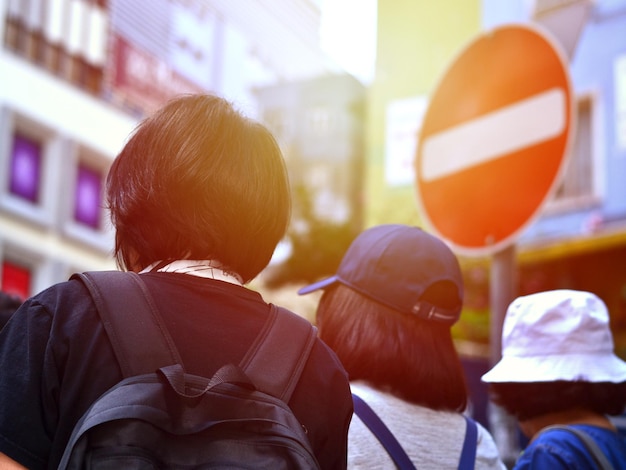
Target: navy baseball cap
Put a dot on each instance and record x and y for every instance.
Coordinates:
(394, 264)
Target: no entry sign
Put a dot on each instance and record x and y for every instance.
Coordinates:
(494, 139)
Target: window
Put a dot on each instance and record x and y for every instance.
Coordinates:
(83, 216)
(69, 38)
(52, 181)
(25, 169)
(30, 156)
(16, 279)
(577, 188)
(88, 196)
(319, 119)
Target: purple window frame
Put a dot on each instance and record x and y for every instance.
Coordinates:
(25, 170)
(88, 196)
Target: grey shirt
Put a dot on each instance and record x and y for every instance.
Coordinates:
(432, 439)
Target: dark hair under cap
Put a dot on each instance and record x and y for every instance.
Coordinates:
(395, 264)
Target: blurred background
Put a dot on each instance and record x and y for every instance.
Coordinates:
(344, 86)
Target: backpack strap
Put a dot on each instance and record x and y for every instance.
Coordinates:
(277, 357)
(601, 461)
(273, 363)
(468, 454)
(395, 450)
(382, 433)
(137, 323)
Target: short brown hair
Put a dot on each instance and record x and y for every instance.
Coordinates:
(198, 180)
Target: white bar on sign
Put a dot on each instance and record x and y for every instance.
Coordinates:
(494, 135)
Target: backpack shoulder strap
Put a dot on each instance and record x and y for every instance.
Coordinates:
(382, 433)
(131, 320)
(274, 361)
(277, 357)
(395, 450)
(468, 454)
(594, 450)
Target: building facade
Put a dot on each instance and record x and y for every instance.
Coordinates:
(76, 76)
(319, 124)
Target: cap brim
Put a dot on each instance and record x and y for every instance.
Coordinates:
(318, 285)
(571, 367)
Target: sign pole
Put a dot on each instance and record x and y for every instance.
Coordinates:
(491, 151)
(502, 291)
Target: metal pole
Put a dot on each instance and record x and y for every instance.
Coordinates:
(501, 293)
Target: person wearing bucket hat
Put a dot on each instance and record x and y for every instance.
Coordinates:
(558, 368)
(387, 313)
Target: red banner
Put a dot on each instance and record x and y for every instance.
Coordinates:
(140, 79)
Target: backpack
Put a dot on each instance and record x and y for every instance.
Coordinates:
(158, 416)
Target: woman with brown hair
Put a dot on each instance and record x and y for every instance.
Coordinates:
(387, 314)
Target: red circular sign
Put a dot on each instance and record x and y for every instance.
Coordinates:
(494, 139)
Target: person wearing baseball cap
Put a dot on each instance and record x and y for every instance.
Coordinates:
(387, 313)
(561, 379)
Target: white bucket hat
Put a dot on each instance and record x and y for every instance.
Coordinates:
(557, 335)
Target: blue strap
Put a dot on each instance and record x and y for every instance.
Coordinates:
(395, 450)
(468, 454)
(601, 460)
(382, 433)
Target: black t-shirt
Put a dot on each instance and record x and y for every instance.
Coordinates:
(55, 360)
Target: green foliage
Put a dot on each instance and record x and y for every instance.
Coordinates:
(473, 326)
(317, 245)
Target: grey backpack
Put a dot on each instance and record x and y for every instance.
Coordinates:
(160, 417)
